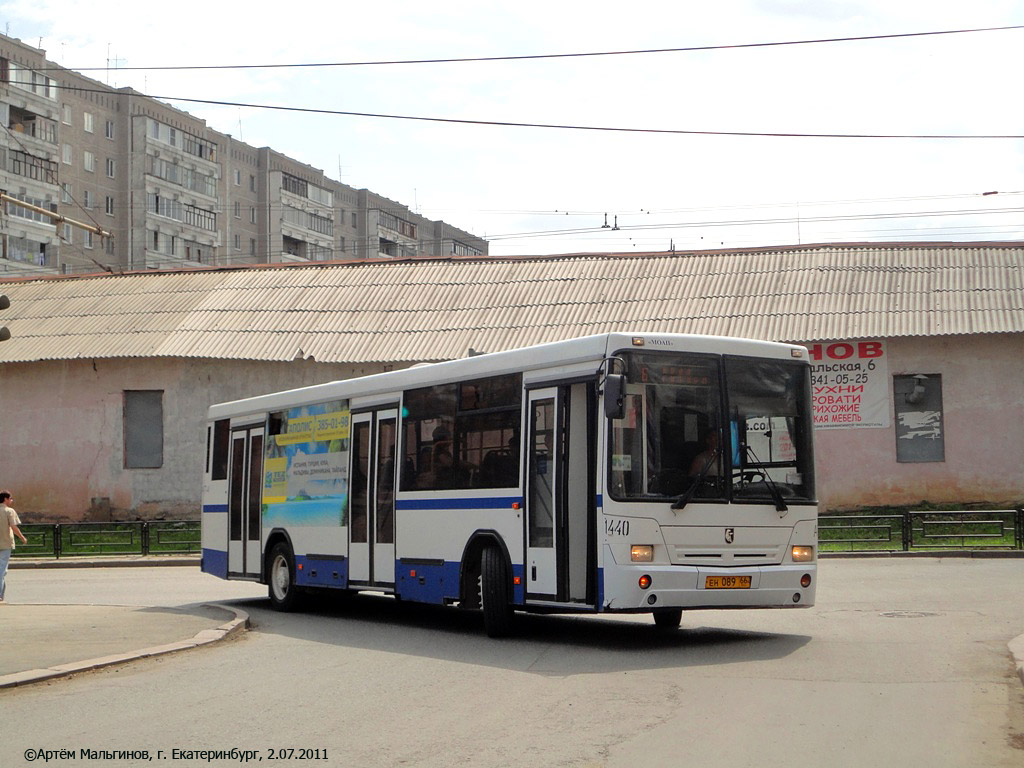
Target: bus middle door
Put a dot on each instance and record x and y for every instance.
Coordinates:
(372, 489)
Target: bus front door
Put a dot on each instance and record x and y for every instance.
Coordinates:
(372, 489)
(559, 495)
(245, 464)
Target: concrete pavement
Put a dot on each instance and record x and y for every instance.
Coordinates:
(59, 640)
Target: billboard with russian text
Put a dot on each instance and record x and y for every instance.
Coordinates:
(850, 384)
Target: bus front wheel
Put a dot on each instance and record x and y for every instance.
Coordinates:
(494, 593)
(281, 578)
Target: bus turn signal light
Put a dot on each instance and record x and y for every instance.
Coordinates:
(641, 553)
(645, 581)
(803, 554)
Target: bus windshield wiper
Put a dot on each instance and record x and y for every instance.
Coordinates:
(780, 503)
(684, 499)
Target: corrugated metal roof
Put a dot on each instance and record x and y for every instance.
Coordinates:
(438, 309)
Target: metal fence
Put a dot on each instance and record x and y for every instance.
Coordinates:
(98, 539)
(922, 531)
(917, 530)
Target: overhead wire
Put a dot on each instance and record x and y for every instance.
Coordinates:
(532, 57)
(549, 126)
(735, 206)
(758, 222)
(586, 127)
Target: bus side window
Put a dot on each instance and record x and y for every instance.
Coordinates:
(221, 438)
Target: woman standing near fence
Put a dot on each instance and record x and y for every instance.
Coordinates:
(9, 523)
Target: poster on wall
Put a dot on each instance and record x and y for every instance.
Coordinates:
(305, 469)
(917, 402)
(850, 384)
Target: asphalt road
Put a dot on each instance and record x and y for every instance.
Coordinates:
(902, 662)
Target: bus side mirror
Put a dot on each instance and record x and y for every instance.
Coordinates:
(614, 392)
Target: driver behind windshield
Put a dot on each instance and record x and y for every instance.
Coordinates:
(709, 461)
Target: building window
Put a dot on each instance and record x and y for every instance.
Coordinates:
(461, 249)
(110, 168)
(66, 114)
(252, 214)
(89, 160)
(67, 154)
(87, 199)
(110, 205)
(143, 429)
(26, 251)
(252, 246)
(200, 217)
(87, 122)
(108, 130)
(238, 242)
(353, 219)
(238, 178)
(917, 400)
(88, 239)
(252, 183)
(65, 193)
(294, 185)
(26, 79)
(14, 209)
(67, 233)
(238, 210)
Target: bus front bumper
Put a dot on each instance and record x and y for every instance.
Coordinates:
(790, 585)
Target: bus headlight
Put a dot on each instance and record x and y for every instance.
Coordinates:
(803, 554)
(641, 553)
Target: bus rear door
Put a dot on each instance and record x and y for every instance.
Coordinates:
(244, 504)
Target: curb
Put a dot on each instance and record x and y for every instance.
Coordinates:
(1016, 647)
(937, 554)
(113, 562)
(238, 624)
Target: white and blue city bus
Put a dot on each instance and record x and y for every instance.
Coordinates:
(611, 473)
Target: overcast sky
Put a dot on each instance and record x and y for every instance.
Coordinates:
(687, 191)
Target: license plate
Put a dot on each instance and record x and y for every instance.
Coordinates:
(727, 582)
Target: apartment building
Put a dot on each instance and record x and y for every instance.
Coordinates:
(135, 184)
(29, 163)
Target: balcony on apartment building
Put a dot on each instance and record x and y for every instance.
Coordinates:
(27, 89)
(29, 236)
(306, 220)
(295, 250)
(32, 132)
(396, 237)
(175, 147)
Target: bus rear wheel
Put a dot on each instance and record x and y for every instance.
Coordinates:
(494, 593)
(669, 619)
(281, 589)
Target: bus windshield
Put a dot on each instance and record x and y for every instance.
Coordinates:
(713, 429)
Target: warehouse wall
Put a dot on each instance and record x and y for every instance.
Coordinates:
(982, 429)
(62, 432)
